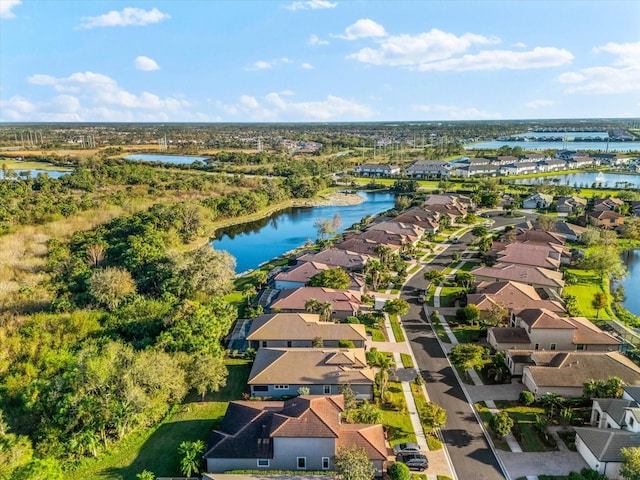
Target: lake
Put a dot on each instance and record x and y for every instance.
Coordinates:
(34, 173)
(586, 180)
(631, 259)
(175, 159)
(256, 242)
(533, 145)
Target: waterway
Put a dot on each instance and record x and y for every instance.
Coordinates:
(256, 242)
(175, 159)
(549, 145)
(631, 284)
(34, 173)
(586, 180)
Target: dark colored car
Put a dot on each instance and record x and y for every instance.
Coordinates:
(422, 295)
(407, 447)
(415, 461)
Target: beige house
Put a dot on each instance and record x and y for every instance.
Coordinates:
(605, 219)
(422, 217)
(529, 275)
(280, 372)
(300, 434)
(302, 330)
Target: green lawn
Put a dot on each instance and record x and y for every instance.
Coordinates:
(398, 423)
(525, 418)
(421, 403)
(448, 296)
(588, 285)
(157, 449)
(466, 333)
(407, 361)
(485, 415)
(396, 328)
(439, 330)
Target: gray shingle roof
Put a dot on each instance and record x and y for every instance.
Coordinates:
(605, 444)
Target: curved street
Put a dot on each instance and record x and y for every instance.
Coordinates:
(468, 448)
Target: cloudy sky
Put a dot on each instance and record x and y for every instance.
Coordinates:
(317, 60)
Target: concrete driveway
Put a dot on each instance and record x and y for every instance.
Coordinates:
(495, 392)
(542, 463)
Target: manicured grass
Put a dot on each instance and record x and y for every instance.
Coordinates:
(588, 285)
(485, 415)
(439, 330)
(376, 332)
(396, 328)
(156, 449)
(525, 418)
(407, 361)
(466, 333)
(448, 296)
(398, 423)
(421, 402)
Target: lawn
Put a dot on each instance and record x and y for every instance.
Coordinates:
(584, 290)
(485, 415)
(449, 295)
(439, 330)
(524, 430)
(421, 403)
(376, 332)
(407, 361)
(396, 328)
(466, 333)
(156, 449)
(397, 422)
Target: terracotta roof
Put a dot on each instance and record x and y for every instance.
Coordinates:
(419, 216)
(514, 295)
(410, 230)
(365, 246)
(310, 416)
(605, 215)
(535, 254)
(521, 273)
(302, 326)
(302, 273)
(369, 437)
(335, 257)
(539, 236)
(310, 366)
(589, 334)
(572, 369)
(296, 298)
(606, 443)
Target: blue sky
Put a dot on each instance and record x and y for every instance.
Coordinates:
(317, 60)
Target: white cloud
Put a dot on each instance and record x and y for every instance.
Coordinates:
(127, 17)
(623, 76)
(413, 50)
(276, 108)
(6, 8)
(315, 41)
(145, 63)
(266, 65)
(307, 66)
(453, 112)
(519, 45)
(311, 5)
(540, 103)
(363, 28)
(539, 57)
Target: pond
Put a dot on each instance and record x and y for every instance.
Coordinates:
(557, 145)
(586, 180)
(32, 173)
(631, 284)
(257, 242)
(175, 159)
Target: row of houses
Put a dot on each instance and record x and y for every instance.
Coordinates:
(497, 166)
(315, 353)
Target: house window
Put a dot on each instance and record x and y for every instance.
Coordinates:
(631, 422)
(552, 346)
(327, 389)
(260, 388)
(281, 387)
(581, 346)
(289, 344)
(263, 462)
(536, 346)
(302, 463)
(325, 463)
(264, 343)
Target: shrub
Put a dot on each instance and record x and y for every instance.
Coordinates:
(501, 423)
(399, 471)
(346, 344)
(526, 398)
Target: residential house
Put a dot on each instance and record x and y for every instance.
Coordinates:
(368, 245)
(565, 373)
(580, 162)
(605, 219)
(335, 257)
(410, 231)
(302, 330)
(616, 424)
(428, 168)
(571, 204)
(534, 276)
(344, 303)
(518, 168)
(571, 231)
(281, 372)
(549, 256)
(543, 329)
(301, 434)
(538, 200)
(426, 219)
(552, 165)
(377, 170)
(522, 235)
(607, 204)
(299, 275)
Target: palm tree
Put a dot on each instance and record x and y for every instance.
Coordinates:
(190, 451)
(325, 310)
(312, 305)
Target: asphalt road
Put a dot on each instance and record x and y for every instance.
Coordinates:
(470, 453)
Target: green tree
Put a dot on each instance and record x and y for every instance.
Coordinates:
(479, 231)
(552, 402)
(146, 475)
(367, 413)
(501, 423)
(526, 398)
(630, 469)
(349, 397)
(467, 355)
(15, 450)
(599, 302)
(496, 315)
(111, 286)
(605, 261)
(207, 373)
(353, 463)
(399, 471)
(547, 223)
(396, 306)
(611, 387)
(204, 270)
(464, 279)
(432, 416)
(190, 461)
(335, 278)
(377, 274)
(468, 314)
(434, 276)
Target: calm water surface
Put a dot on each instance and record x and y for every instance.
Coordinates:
(34, 173)
(257, 242)
(586, 180)
(631, 283)
(533, 145)
(175, 159)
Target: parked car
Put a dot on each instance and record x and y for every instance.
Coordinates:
(407, 447)
(422, 295)
(406, 257)
(415, 461)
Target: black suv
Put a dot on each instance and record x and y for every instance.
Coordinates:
(415, 461)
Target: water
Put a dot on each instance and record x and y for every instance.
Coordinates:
(256, 242)
(565, 135)
(175, 159)
(533, 145)
(585, 180)
(631, 259)
(33, 173)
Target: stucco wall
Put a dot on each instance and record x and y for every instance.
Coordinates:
(287, 450)
(362, 391)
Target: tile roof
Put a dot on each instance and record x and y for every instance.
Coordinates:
(302, 326)
(302, 273)
(543, 318)
(514, 295)
(606, 443)
(535, 254)
(614, 407)
(369, 437)
(296, 298)
(589, 334)
(310, 366)
(521, 273)
(337, 258)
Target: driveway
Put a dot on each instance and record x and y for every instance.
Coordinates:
(542, 463)
(495, 392)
